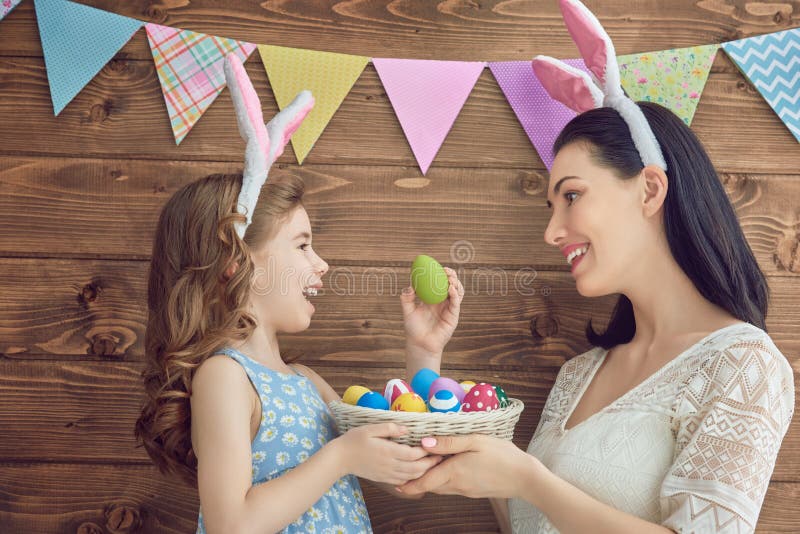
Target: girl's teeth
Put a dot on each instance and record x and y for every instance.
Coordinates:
(311, 292)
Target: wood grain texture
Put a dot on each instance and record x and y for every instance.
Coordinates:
(80, 194)
(122, 499)
(121, 113)
(95, 310)
(360, 214)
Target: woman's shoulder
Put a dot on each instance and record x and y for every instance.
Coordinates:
(742, 344)
(741, 361)
(576, 368)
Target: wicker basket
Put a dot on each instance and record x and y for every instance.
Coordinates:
(499, 423)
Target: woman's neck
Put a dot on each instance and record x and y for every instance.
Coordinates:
(667, 304)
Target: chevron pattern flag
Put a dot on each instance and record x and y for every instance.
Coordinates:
(772, 63)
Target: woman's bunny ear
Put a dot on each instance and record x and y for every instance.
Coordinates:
(570, 86)
(285, 123)
(594, 44)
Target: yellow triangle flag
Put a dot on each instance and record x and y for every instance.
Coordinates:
(328, 75)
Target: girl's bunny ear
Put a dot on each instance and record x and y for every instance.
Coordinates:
(594, 44)
(285, 123)
(570, 86)
(246, 104)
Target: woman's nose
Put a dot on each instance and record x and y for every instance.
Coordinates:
(554, 232)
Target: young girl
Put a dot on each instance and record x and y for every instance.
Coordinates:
(673, 422)
(223, 409)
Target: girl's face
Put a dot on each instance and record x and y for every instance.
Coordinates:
(287, 275)
(597, 222)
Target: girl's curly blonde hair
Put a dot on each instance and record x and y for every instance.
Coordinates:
(194, 307)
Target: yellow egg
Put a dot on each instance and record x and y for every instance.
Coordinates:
(409, 402)
(353, 393)
(466, 385)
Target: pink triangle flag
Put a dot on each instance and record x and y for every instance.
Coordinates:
(427, 96)
(541, 117)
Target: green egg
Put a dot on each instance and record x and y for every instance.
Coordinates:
(429, 280)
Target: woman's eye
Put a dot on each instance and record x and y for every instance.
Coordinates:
(571, 196)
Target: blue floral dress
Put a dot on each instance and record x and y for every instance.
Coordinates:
(295, 424)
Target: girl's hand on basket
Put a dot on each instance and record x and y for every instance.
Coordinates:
(481, 466)
(367, 452)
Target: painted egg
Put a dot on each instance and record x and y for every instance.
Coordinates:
(429, 280)
(394, 388)
(374, 400)
(444, 400)
(409, 402)
(353, 393)
(467, 385)
(481, 398)
(421, 383)
(502, 398)
(446, 384)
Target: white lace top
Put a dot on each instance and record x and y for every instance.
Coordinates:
(691, 448)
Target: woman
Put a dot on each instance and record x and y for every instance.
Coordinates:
(674, 420)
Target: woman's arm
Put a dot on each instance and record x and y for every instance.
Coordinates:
(222, 405)
(500, 509)
(484, 466)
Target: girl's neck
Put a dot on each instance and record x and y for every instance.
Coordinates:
(262, 346)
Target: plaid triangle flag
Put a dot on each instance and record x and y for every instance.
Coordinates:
(673, 78)
(190, 69)
(772, 63)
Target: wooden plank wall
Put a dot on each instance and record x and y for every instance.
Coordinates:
(80, 194)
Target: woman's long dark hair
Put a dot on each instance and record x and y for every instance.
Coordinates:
(702, 230)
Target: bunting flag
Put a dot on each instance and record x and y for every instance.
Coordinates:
(6, 6)
(78, 41)
(328, 75)
(427, 96)
(673, 78)
(772, 63)
(541, 117)
(190, 68)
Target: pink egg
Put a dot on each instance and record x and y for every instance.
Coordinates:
(447, 384)
(394, 388)
(481, 398)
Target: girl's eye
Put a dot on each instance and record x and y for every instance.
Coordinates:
(571, 196)
(305, 246)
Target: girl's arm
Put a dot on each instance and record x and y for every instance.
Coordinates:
(223, 402)
(430, 326)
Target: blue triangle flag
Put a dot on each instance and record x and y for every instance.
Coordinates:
(78, 41)
(772, 63)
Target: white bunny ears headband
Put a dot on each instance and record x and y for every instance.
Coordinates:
(576, 90)
(265, 142)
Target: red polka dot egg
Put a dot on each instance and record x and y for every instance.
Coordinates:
(480, 398)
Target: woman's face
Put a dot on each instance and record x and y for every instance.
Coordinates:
(597, 221)
(286, 267)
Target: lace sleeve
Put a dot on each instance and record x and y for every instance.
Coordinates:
(731, 419)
